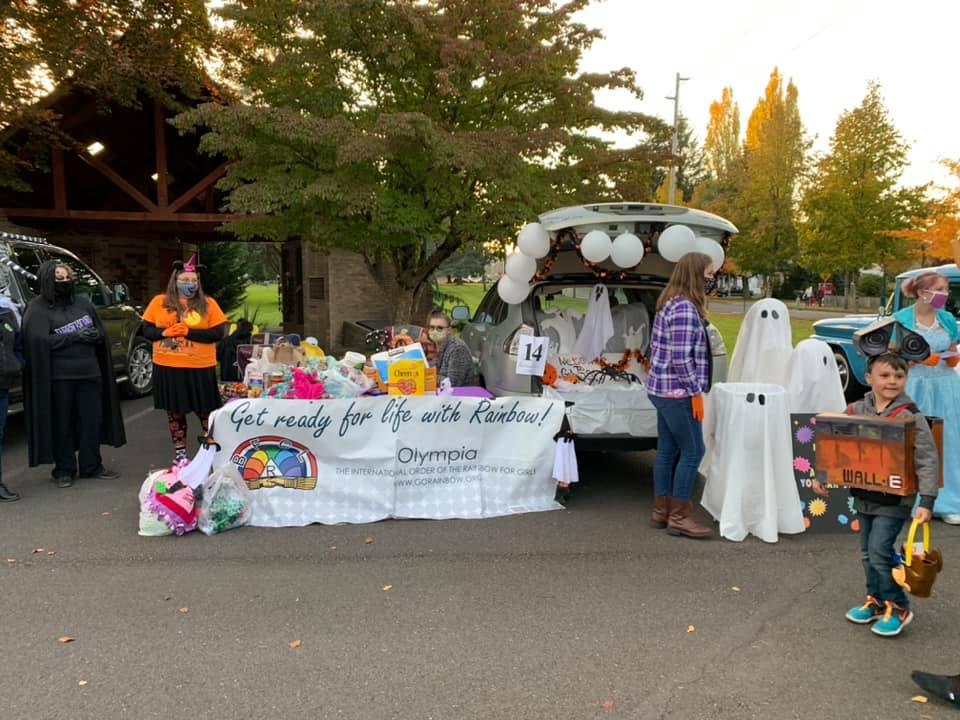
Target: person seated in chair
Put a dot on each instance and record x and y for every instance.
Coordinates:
(453, 359)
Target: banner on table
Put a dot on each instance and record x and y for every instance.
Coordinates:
(365, 459)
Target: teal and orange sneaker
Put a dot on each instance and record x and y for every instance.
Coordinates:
(894, 620)
(865, 614)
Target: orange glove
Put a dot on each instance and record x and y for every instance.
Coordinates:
(697, 403)
(932, 360)
(176, 330)
(952, 361)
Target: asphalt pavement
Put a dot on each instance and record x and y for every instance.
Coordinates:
(577, 613)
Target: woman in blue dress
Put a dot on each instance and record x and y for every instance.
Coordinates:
(934, 385)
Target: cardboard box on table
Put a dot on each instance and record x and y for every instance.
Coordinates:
(870, 452)
(411, 377)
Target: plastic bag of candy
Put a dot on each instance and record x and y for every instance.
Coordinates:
(226, 502)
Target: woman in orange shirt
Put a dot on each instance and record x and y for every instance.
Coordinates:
(185, 326)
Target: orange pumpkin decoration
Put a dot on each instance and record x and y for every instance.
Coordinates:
(549, 376)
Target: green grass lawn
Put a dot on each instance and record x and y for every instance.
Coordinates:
(727, 323)
(261, 304)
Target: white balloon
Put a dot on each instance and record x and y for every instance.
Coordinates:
(520, 267)
(534, 240)
(675, 242)
(627, 250)
(596, 246)
(511, 291)
(712, 248)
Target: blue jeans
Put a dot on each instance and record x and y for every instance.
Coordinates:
(878, 539)
(679, 447)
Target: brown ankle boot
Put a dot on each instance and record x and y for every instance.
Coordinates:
(661, 510)
(681, 522)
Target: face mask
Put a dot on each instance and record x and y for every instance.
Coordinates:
(62, 289)
(938, 300)
(709, 285)
(188, 290)
(438, 336)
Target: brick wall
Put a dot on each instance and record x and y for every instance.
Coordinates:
(132, 261)
(350, 292)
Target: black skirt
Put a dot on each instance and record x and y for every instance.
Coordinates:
(185, 390)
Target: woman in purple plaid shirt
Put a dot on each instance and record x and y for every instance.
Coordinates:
(680, 373)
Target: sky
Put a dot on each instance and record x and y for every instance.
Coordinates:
(829, 48)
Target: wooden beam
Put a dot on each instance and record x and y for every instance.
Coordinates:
(157, 216)
(59, 181)
(112, 175)
(208, 181)
(160, 138)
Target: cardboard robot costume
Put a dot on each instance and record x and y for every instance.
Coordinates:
(764, 345)
(750, 487)
(813, 379)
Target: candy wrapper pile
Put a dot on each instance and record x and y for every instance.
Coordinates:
(323, 379)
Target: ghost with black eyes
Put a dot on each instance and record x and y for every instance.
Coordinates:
(764, 344)
(813, 379)
(750, 487)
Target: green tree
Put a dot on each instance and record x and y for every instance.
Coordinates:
(466, 261)
(691, 166)
(263, 261)
(774, 160)
(122, 50)
(225, 276)
(854, 209)
(405, 129)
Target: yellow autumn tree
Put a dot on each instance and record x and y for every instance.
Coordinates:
(722, 146)
(723, 155)
(774, 158)
(936, 240)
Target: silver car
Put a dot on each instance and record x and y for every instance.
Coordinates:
(624, 419)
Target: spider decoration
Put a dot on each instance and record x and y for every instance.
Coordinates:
(600, 376)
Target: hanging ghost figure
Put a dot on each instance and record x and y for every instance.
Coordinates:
(750, 487)
(813, 379)
(764, 344)
(631, 328)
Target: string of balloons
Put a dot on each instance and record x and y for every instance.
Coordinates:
(626, 251)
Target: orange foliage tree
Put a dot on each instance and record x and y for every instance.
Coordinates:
(939, 237)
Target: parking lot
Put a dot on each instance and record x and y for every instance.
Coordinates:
(577, 613)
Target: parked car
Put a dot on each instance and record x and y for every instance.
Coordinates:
(493, 332)
(838, 332)
(132, 353)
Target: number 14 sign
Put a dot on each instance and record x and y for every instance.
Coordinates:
(532, 354)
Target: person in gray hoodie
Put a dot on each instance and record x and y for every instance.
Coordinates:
(881, 515)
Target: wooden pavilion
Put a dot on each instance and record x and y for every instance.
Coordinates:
(129, 194)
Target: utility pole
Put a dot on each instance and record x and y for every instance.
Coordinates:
(672, 187)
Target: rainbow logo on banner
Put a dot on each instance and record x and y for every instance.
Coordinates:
(272, 461)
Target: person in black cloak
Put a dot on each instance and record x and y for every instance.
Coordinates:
(227, 350)
(70, 396)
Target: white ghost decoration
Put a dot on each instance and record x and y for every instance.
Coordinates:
(750, 488)
(764, 345)
(597, 326)
(813, 379)
(631, 328)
